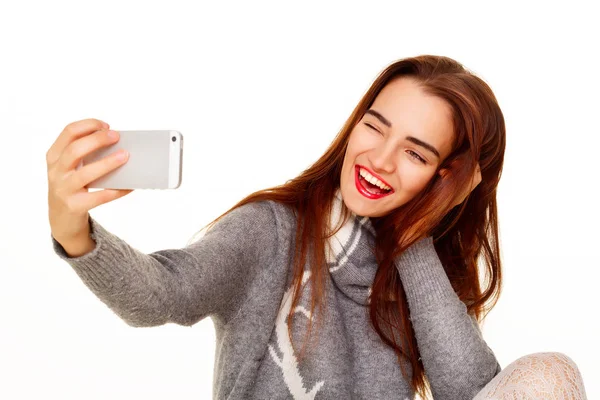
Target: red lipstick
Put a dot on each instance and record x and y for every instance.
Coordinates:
(359, 186)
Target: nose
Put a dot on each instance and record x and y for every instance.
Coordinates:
(382, 158)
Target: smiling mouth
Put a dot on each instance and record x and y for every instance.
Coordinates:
(367, 189)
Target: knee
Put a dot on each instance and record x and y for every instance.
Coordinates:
(545, 375)
(549, 366)
(549, 359)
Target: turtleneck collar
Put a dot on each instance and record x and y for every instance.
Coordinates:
(352, 264)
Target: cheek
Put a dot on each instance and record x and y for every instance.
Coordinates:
(413, 180)
(354, 148)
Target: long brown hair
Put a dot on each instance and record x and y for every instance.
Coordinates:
(461, 234)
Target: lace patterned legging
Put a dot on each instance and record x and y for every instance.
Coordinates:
(547, 376)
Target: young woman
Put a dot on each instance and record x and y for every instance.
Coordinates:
(376, 245)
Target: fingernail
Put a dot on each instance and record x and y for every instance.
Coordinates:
(122, 155)
(112, 134)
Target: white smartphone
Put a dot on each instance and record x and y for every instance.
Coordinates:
(155, 161)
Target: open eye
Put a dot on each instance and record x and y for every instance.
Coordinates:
(416, 156)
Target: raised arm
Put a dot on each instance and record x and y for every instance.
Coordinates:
(209, 277)
(458, 363)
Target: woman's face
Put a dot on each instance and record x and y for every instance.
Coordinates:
(401, 140)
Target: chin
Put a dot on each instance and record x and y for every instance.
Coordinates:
(363, 208)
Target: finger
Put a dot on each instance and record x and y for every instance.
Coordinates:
(474, 183)
(90, 172)
(78, 149)
(70, 133)
(90, 200)
(477, 176)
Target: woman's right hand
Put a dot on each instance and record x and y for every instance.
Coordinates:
(68, 197)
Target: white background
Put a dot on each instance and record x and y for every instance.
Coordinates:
(259, 90)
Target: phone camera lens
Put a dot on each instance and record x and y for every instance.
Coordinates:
(173, 138)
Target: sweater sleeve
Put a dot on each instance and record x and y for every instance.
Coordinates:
(208, 277)
(458, 363)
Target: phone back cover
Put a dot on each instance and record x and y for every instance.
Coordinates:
(147, 166)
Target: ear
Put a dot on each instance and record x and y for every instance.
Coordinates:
(443, 172)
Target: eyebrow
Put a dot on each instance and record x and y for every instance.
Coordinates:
(412, 139)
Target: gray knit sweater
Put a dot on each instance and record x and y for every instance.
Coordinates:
(239, 274)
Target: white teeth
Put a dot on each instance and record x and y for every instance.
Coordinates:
(371, 179)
